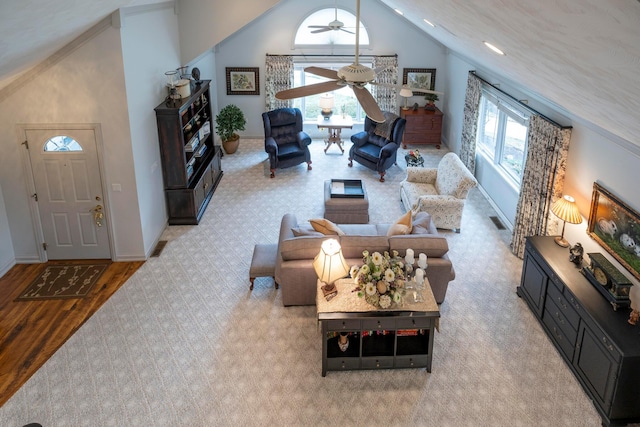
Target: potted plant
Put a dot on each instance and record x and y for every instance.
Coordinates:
(229, 120)
(431, 98)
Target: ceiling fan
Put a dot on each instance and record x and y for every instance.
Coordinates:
(334, 25)
(356, 75)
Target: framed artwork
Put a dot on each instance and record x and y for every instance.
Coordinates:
(243, 81)
(616, 227)
(423, 78)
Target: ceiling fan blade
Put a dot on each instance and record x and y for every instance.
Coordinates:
(369, 104)
(314, 89)
(347, 31)
(322, 30)
(323, 72)
(317, 26)
(414, 89)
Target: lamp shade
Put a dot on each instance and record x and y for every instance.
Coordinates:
(567, 210)
(406, 92)
(326, 101)
(330, 264)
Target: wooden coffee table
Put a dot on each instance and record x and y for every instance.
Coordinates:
(377, 339)
(335, 124)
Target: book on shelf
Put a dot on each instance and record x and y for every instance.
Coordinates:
(192, 144)
(201, 150)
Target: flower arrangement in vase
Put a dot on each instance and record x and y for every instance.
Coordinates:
(380, 279)
(415, 155)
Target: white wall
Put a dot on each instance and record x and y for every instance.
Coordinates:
(594, 154)
(150, 48)
(204, 23)
(87, 86)
(7, 256)
(274, 32)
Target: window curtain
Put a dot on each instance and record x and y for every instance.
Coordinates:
(386, 97)
(542, 181)
(470, 122)
(278, 76)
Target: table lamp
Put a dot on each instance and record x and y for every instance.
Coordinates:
(326, 104)
(330, 265)
(567, 210)
(406, 93)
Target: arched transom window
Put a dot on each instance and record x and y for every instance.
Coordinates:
(322, 17)
(62, 143)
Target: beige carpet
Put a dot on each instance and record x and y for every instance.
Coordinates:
(185, 343)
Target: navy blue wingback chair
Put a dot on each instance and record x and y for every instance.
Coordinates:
(284, 140)
(376, 147)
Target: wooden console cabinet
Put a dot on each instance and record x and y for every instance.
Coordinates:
(423, 126)
(191, 165)
(598, 344)
(377, 339)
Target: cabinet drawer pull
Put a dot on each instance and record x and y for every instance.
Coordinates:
(562, 303)
(377, 363)
(410, 362)
(379, 325)
(560, 319)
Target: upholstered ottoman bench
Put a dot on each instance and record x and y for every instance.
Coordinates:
(346, 210)
(263, 263)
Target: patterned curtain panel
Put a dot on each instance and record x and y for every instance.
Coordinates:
(278, 76)
(386, 97)
(542, 181)
(470, 122)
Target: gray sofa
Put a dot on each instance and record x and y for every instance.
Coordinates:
(298, 245)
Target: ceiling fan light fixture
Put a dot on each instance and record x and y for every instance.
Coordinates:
(356, 73)
(494, 48)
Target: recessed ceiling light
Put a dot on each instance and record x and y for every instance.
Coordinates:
(429, 22)
(493, 48)
(398, 11)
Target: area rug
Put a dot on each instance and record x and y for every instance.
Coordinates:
(64, 281)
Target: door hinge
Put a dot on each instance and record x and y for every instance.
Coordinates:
(26, 144)
(44, 246)
(35, 196)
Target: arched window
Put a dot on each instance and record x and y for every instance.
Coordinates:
(62, 143)
(345, 100)
(322, 17)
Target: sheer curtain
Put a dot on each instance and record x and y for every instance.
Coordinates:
(386, 96)
(542, 180)
(470, 122)
(278, 76)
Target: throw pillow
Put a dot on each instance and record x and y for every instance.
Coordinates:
(402, 226)
(299, 231)
(421, 223)
(325, 226)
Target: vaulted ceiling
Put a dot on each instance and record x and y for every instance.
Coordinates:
(583, 56)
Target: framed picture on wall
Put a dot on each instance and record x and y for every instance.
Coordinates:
(243, 81)
(616, 227)
(422, 78)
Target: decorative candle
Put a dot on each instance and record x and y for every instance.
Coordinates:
(422, 261)
(408, 258)
(419, 276)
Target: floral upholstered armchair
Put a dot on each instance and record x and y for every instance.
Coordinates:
(439, 191)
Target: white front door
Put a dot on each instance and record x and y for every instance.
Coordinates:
(69, 195)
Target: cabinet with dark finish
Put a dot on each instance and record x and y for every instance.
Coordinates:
(598, 344)
(423, 126)
(191, 166)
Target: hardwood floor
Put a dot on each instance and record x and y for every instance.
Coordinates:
(32, 331)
